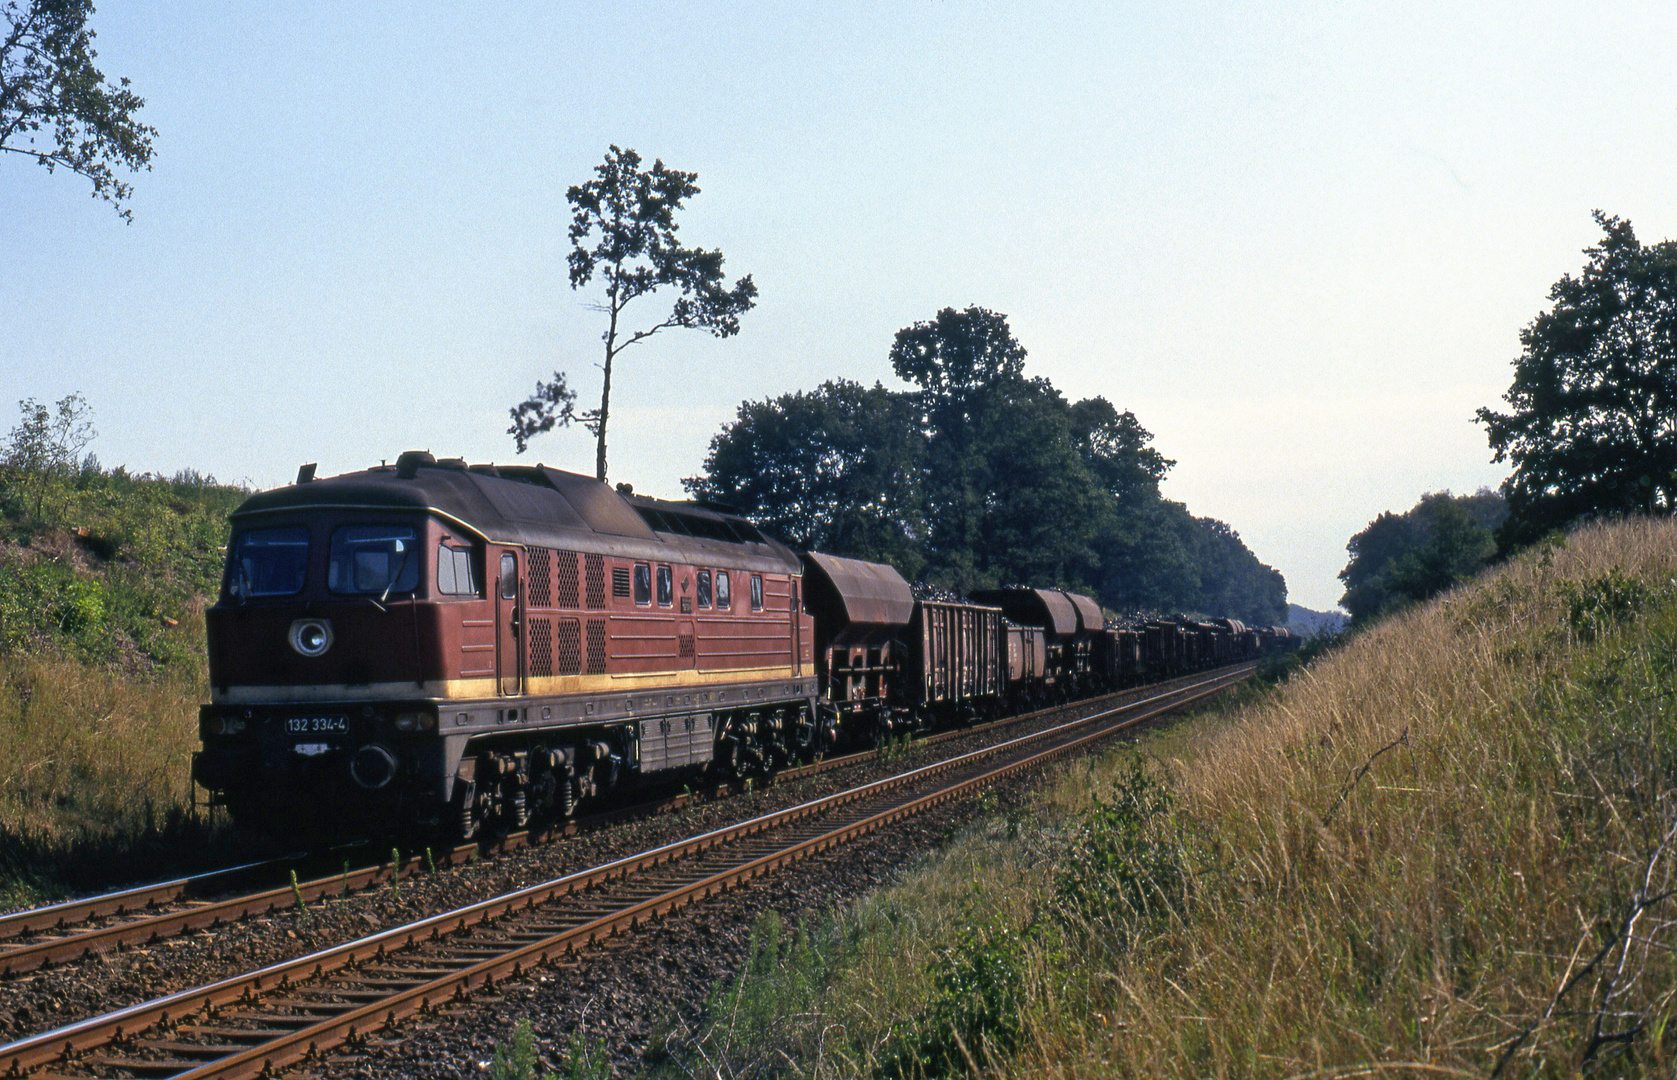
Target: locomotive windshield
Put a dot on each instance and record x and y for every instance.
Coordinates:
(268, 562)
(373, 559)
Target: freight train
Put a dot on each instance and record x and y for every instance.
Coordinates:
(438, 648)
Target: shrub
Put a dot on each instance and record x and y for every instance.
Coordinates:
(1126, 859)
(977, 1010)
(1598, 604)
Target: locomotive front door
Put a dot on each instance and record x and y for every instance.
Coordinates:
(509, 628)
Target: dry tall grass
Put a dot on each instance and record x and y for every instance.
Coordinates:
(1446, 849)
(94, 782)
(1428, 852)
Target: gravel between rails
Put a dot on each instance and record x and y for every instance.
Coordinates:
(624, 994)
(47, 999)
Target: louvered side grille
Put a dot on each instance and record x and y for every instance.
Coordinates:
(596, 583)
(569, 593)
(540, 588)
(569, 647)
(541, 647)
(596, 646)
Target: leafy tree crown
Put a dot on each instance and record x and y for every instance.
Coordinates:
(1592, 427)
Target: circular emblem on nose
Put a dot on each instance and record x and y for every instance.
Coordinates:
(311, 637)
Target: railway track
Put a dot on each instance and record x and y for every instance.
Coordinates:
(74, 930)
(256, 1023)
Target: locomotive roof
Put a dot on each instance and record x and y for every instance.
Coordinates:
(536, 505)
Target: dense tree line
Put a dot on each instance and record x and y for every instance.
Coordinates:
(983, 476)
(1403, 558)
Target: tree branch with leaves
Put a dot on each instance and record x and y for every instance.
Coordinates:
(624, 233)
(47, 80)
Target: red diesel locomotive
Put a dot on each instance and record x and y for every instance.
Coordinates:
(436, 648)
(432, 646)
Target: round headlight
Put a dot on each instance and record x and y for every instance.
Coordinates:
(311, 637)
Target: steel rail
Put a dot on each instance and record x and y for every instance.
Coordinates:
(79, 944)
(72, 1040)
(121, 902)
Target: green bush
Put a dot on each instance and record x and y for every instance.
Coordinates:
(783, 974)
(977, 1011)
(146, 550)
(516, 1058)
(1126, 858)
(42, 600)
(1596, 605)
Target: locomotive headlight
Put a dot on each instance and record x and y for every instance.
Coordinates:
(311, 637)
(223, 725)
(415, 721)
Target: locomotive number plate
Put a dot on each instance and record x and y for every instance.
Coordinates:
(312, 725)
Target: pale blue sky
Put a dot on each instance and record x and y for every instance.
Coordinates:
(1298, 241)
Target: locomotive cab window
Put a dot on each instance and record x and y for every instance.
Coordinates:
(756, 592)
(268, 562)
(666, 587)
(454, 571)
(373, 560)
(704, 588)
(509, 577)
(643, 583)
(723, 600)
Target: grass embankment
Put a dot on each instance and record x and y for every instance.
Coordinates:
(103, 579)
(1445, 849)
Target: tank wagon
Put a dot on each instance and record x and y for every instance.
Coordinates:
(440, 648)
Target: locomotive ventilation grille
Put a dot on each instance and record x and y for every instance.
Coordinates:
(596, 582)
(541, 647)
(596, 646)
(569, 647)
(540, 587)
(570, 595)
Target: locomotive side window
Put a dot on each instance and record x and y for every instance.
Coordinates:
(704, 588)
(643, 583)
(666, 587)
(756, 592)
(454, 571)
(509, 577)
(723, 600)
(268, 562)
(367, 559)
